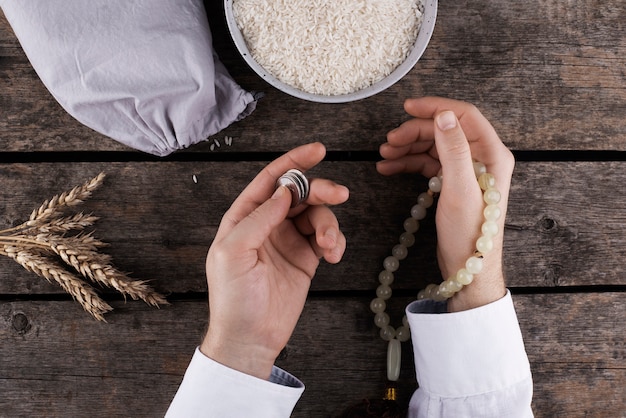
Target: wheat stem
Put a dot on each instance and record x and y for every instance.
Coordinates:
(16, 240)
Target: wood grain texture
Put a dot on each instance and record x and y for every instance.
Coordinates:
(576, 346)
(59, 362)
(160, 223)
(550, 75)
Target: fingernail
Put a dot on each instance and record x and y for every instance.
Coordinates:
(446, 120)
(345, 190)
(279, 192)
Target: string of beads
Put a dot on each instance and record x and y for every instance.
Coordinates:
(463, 277)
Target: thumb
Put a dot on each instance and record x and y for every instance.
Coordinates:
(254, 229)
(453, 150)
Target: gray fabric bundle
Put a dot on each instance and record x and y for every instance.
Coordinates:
(142, 72)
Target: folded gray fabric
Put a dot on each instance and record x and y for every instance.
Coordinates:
(142, 72)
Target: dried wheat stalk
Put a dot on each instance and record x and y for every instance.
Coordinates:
(50, 270)
(41, 243)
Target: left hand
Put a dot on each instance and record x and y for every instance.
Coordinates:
(446, 135)
(260, 265)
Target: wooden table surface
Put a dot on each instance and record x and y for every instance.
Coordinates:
(549, 74)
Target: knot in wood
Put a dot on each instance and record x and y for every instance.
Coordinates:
(21, 323)
(548, 224)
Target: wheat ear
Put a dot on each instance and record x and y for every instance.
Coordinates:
(76, 222)
(96, 267)
(51, 271)
(80, 252)
(74, 197)
(36, 243)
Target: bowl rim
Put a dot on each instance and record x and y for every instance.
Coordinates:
(423, 39)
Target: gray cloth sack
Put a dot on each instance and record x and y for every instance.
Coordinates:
(142, 72)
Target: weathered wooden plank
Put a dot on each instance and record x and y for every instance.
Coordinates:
(58, 361)
(576, 346)
(550, 75)
(566, 206)
(160, 223)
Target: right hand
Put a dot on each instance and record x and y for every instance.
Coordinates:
(445, 135)
(262, 260)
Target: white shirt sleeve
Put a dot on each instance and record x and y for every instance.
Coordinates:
(468, 364)
(210, 389)
(471, 363)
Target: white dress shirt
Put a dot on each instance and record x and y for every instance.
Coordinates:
(468, 364)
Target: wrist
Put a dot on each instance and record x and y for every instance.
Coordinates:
(244, 357)
(487, 287)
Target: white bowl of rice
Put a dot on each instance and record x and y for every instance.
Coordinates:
(331, 51)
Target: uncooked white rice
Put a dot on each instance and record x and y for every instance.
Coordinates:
(329, 47)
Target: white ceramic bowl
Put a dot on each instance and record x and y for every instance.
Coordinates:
(423, 37)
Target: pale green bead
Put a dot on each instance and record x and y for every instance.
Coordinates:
(464, 277)
(484, 244)
(405, 321)
(492, 212)
(407, 239)
(434, 184)
(489, 228)
(430, 290)
(383, 291)
(479, 169)
(487, 181)
(378, 305)
(474, 265)
(411, 225)
(444, 287)
(438, 296)
(421, 295)
(391, 263)
(491, 196)
(454, 285)
(381, 319)
(418, 212)
(403, 334)
(445, 291)
(387, 333)
(399, 251)
(425, 199)
(385, 277)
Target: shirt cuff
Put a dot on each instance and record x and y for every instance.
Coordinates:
(212, 389)
(467, 353)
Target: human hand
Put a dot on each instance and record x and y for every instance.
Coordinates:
(260, 265)
(446, 135)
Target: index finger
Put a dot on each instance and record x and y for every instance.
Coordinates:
(474, 123)
(483, 139)
(262, 186)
